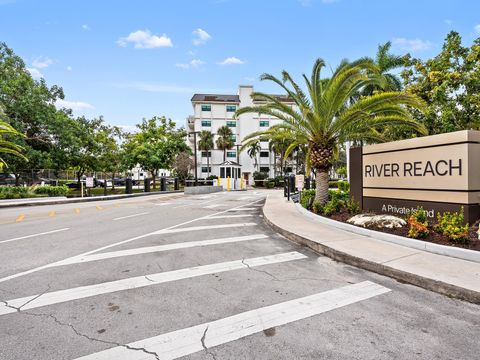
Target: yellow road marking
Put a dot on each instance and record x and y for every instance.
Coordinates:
(51, 213)
(20, 218)
(77, 210)
(99, 207)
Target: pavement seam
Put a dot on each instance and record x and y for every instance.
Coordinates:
(202, 340)
(400, 257)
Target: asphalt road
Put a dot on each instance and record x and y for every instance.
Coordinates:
(202, 277)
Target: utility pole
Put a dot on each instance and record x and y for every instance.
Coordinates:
(238, 154)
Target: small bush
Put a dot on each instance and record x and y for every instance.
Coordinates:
(418, 224)
(14, 192)
(333, 184)
(344, 186)
(307, 198)
(51, 190)
(352, 206)
(342, 171)
(270, 183)
(451, 225)
(212, 177)
(316, 207)
(259, 175)
(279, 181)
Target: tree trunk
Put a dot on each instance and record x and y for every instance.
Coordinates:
(154, 183)
(208, 166)
(17, 179)
(321, 185)
(113, 180)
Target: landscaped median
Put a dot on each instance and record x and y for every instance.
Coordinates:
(368, 249)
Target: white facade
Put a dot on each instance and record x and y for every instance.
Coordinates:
(213, 111)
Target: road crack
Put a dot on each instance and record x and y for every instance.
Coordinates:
(261, 271)
(146, 277)
(202, 340)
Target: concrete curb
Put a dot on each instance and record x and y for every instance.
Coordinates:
(400, 275)
(451, 251)
(86, 199)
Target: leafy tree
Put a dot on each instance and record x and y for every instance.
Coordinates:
(7, 146)
(224, 140)
(109, 139)
(155, 146)
(324, 117)
(183, 165)
(450, 85)
(205, 143)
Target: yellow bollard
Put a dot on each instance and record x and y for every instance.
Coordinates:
(241, 184)
(228, 183)
(218, 179)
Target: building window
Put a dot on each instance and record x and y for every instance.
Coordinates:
(231, 108)
(231, 123)
(206, 123)
(234, 138)
(206, 169)
(222, 172)
(264, 123)
(206, 107)
(231, 154)
(264, 154)
(264, 169)
(206, 153)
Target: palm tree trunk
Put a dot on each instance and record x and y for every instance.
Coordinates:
(224, 154)
(321, 185)
(208, 166)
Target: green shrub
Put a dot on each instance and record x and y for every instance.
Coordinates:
(14, 192)
(212, 177)
(418, 224)
(51, 190)
(344, 186)
(338, 195)
(316, 207)
(342, 171)
(307, 198)
(333, 184)
(352, 206)
(270, 183)
(451, 225)
(259, 175)
(279, 181)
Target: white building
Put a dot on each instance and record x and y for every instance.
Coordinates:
(213, 111)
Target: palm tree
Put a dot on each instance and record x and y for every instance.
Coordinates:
(386, 62)
(224, 141)
(324, 118)
(7, 146)
(206, 144)
(253, 150)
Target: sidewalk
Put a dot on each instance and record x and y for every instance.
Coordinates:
(64, 200)
(443, 274)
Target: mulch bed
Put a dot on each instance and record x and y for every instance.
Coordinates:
(433, 236)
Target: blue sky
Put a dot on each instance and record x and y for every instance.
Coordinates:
(127, 60)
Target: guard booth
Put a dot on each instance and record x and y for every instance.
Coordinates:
(231, 176)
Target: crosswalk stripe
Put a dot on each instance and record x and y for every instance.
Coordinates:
(159, 248)
(130, 216)
(243, 209)
(230, 216)
(55, 297)
(176, 344)
(199, 228)
(163, 204)
(212, 206)
(34, 235)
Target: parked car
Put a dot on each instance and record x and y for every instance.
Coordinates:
(75, 184)
(7, 179)
(101, 183)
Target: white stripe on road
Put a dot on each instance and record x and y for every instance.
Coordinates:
(162, 204)
(55, 297)
(199, 228)
(179, 343)
(46, 266)
(159, 248)
(230, 216)
(130, 216)
(245, 198)
(34, 235)
(212, 206)
(243, 209)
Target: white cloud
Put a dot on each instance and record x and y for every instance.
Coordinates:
(477, 28)
(36, 74)
(195, 63)
(86, 27)
(128, 128)
(191, 52)
(200, 37)
(42, 62)
(231, 61)
(74, 105)
(448, 22)
(144, 39)
(412, 44)
(69, 68)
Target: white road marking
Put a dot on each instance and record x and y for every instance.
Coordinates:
(244, 198)
(162, 204)
(46, 266)
(243, 209)
(212, 206)
(179, 343)
(55, 297)
(34, 235)
(130, 216)
(206, 227)
(159, 248)
(230, 216)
